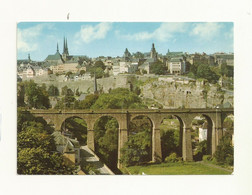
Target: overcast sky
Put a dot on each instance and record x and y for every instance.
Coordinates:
(110, 39)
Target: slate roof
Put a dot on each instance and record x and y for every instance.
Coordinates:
(56, 56)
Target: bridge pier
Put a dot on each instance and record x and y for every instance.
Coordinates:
(156, 145)
(90, 139)
(122, 139)
(187, 145)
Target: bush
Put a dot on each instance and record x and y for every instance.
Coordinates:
(206, 158)
(224, 154)
(172, 158)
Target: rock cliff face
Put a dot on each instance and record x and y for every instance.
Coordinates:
(191, 95)
(169, 94)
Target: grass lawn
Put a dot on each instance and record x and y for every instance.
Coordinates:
(184, 168)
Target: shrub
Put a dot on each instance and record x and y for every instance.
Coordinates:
(225, 152)
(206, 158)
(172, 158)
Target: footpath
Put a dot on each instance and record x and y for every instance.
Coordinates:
(90, 157)
(215, 166)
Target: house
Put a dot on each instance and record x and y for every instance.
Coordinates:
(176, 65)
(203, 132)
(70, 148)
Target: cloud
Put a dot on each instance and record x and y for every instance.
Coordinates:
(163, 33)
(27, 38)
(89, 33)
(206, 31)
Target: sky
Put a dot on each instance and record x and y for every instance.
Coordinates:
(39, 39)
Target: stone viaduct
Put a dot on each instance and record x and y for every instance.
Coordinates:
(214, 117)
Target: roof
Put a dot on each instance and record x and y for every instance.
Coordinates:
(56, 56)
(69, 144)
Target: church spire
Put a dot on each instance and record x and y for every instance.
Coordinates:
(66, 48)
(57, 47)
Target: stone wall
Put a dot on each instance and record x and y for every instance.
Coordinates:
(191, 95)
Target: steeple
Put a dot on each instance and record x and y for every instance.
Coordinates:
(153, 53)
(66, 48)
(57, 47)
(29, 57)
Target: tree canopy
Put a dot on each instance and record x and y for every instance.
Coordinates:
(36, 148)
(117, 99)
(158, 68)
(32, 95)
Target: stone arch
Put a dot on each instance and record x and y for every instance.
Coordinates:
(80, 134)
(180, 130)
(211, 133)
(113, 157)
(156, 140)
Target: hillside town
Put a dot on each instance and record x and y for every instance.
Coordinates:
(175, 63)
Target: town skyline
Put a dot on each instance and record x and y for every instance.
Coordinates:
(111, 39)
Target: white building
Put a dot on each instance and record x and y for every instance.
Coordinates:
(177, 66)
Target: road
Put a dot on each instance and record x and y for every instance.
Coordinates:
(90, 157)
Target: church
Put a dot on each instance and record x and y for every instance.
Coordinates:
(58, 58)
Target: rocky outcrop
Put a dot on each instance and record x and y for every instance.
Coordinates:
(191, 95)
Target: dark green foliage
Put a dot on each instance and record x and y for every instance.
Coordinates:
(205, 72)
(170, 142)
(200, 151)
(158, 68)
(20, 94)
(68, 74)
(36, 96)
(226, 70)
(224, 154)
(82, 72)
(68, 99)
(106, 140)
(117, 99)
(172, 158)
(36, 148)
(206, 158)
(97, 69)
(77, 93)
(88, 101)
(137, 149)
(53, 91)
(78, 128)
(99, 64)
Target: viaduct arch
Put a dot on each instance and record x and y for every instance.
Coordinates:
(215, 118)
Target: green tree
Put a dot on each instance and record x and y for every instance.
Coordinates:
(99, 64)
(158, 68)
(53, 91)
(78, 129)
(20, 94)
(82, 72)
(97, 71)
(106, 140)
(36, 97)
(224, 154)
(118, 98)
(88, 101)
(36, 147)
(138, 147)
(68, 74)
(205, 72)
(170, 142)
